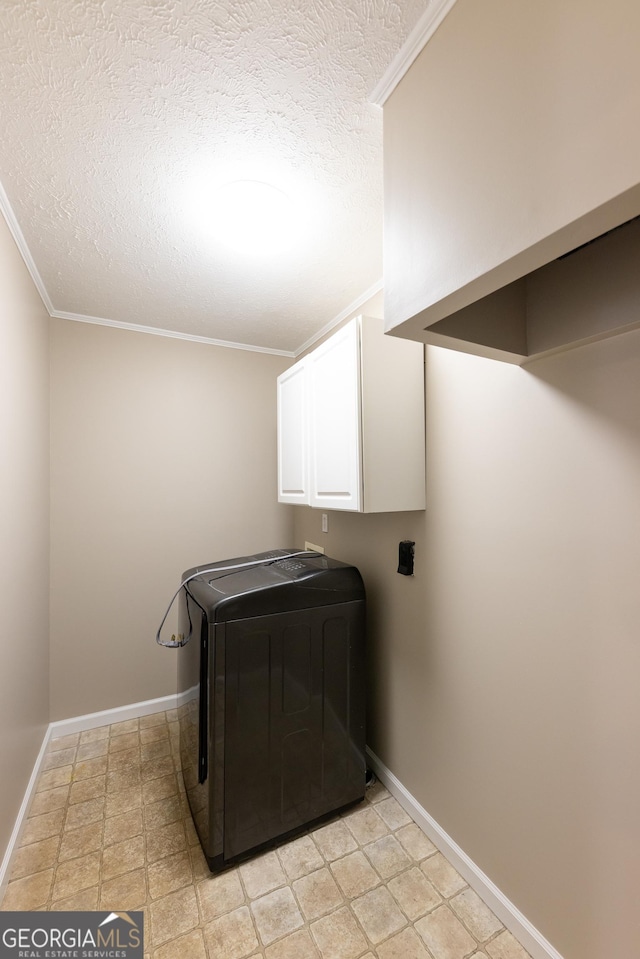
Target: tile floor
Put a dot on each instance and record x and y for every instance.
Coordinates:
(109, 829)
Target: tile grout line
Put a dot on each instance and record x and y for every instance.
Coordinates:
(389, 818)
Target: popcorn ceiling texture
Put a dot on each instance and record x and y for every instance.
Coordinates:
(112, 111)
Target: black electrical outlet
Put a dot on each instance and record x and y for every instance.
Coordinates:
(405, 557)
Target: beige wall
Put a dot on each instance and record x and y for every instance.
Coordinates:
(163, 457)
(506, 144)
(24, 529)
(504, 676)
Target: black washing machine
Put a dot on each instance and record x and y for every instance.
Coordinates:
(272, 698)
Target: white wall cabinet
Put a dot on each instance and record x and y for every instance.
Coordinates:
(293, 473)
(334, 382)
(351, 423)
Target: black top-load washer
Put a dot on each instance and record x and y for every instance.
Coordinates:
(272, 698)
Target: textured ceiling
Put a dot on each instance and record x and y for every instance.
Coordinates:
(119, 116)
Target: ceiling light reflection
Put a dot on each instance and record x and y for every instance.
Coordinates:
(252, 217)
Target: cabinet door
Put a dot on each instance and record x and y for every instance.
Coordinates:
(335, 434)
(293, 436)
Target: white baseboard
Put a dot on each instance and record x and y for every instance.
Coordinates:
(78, 724)
(14, 839)
(65, 727)
(532, 940)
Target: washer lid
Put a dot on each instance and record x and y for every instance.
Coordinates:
(280, 582)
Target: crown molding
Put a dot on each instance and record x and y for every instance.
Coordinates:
(21, 243)
(352, 308)
(172, 334)
(18, 236)
(411, 48)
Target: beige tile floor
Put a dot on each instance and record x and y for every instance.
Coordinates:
(109, 829)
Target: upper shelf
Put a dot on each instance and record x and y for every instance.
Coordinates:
(586, 295)
(511, 141)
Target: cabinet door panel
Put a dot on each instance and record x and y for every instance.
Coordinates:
(292, 436)
(334, 401)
